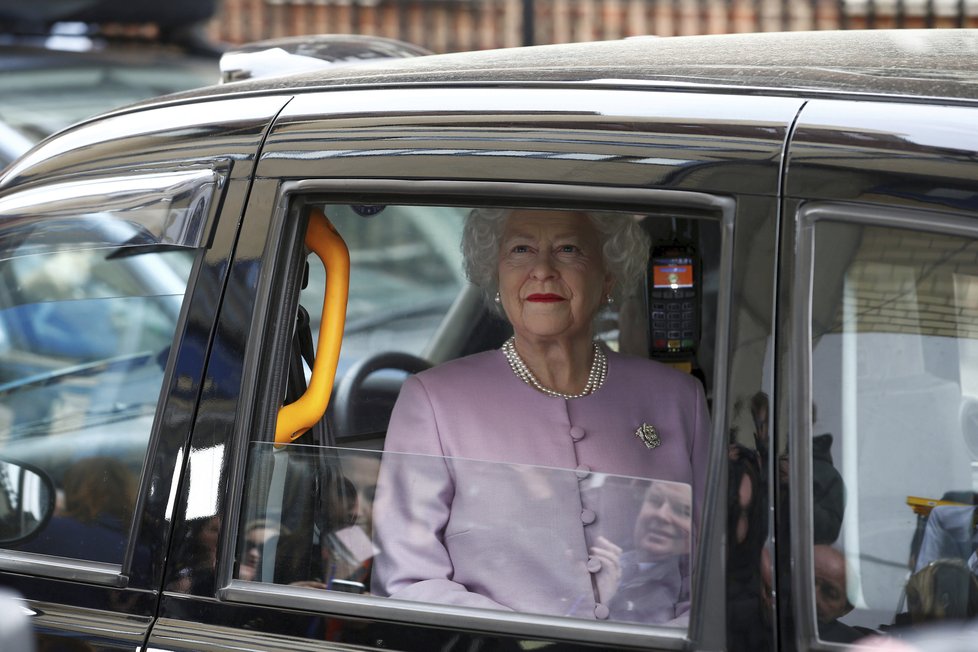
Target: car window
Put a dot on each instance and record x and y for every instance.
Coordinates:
(895, 390)
(346, 510)
(90, 299)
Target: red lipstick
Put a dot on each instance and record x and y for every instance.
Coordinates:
(545, 298)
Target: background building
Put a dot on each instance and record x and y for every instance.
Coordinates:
(454, 25)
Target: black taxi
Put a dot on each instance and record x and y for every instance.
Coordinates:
(210, 301)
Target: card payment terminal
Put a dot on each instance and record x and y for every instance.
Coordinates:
(674, 302)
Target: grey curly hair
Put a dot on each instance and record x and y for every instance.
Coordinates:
(624, 248)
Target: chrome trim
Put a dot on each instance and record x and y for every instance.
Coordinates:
(710, 597)
(122, 194)
(928, 220)
(800, 459)
(63, 568)
(425, 613)
(125, 630)
(627, 197)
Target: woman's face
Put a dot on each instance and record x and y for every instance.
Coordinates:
(552, 279)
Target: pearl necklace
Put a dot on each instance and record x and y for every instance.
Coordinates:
(595, 377)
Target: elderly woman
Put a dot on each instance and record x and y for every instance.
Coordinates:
(554, 412)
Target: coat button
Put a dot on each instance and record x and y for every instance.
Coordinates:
(582, 471)
(577, 433)
(601, 612)
(588, 516)
(593, 565)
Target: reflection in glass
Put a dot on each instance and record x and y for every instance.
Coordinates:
(91, 520)
(26, 501)
(520, 553)
(85, 335)
(146, 209)
(893, 370)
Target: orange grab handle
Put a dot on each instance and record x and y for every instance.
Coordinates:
(296, 418)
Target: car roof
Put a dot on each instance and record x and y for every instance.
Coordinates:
(906, 63)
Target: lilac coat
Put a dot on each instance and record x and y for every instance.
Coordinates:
(453, 529)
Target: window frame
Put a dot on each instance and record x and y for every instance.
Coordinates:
(800, 394)
(269, 335)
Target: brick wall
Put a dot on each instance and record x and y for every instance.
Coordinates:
(454, 25)
(912, 282)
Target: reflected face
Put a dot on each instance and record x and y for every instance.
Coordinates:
(341, 504)
(831, 601)
(761, 428)
(210, 532)
(552, 279)
(254, 546)
(744, 497)
(662, 529)
(362, 472)
(767, 579)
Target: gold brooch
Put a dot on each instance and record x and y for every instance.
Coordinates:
(648, 435)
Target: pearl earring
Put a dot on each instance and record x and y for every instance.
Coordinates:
(611, 299)
(497, 299)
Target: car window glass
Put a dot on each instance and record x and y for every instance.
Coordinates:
(347, 530)
(348, 518)
(170, 208)
(344, 505)
(405, 272)
(89, 305)
(895, 389)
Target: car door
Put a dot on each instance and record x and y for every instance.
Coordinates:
(113, 265)
(875, 420)
(94, 297)
(394, 172)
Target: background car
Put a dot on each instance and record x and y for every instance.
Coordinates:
(49, 88)
(58, 64)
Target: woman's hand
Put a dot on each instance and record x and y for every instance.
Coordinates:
(609, 577)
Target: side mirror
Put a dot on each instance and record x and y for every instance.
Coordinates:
(26, 501)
